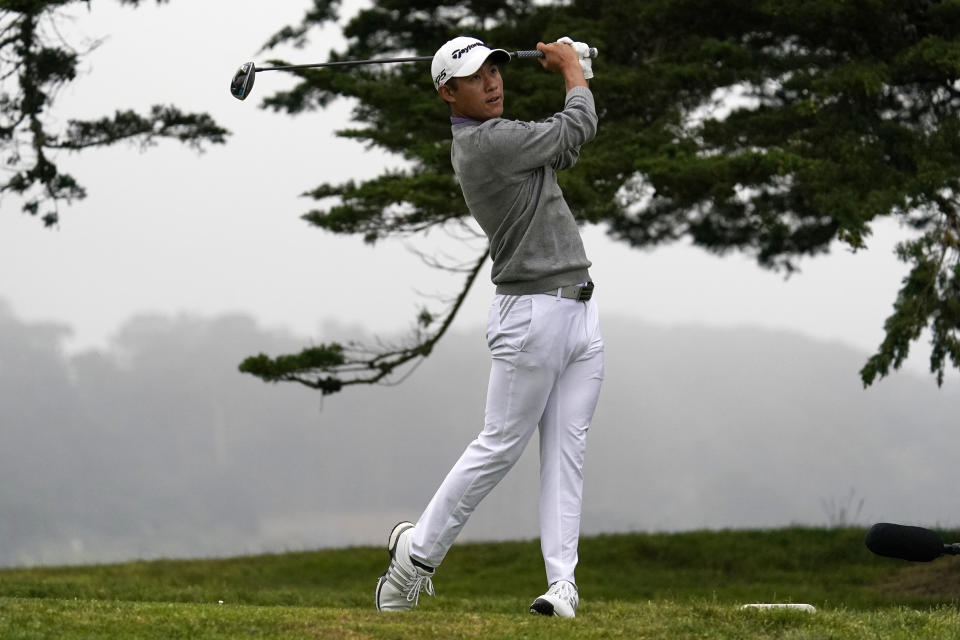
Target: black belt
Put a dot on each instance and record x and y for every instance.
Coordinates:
(578, 292)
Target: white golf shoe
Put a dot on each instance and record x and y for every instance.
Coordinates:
(400, 586)
(561, 599)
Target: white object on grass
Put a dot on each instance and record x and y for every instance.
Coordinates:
(796, 607)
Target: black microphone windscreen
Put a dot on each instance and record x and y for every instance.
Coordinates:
(904, 542)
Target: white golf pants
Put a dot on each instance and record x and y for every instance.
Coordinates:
(546, 371)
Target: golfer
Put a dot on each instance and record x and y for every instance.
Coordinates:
(542, 328)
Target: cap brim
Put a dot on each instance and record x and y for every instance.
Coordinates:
(502, 56)
(477, 57)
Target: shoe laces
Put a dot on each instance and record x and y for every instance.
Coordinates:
(419, 584)
(410, 584)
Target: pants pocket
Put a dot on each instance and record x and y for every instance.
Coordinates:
(509, 323)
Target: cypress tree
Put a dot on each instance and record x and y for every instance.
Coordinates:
(767, 127)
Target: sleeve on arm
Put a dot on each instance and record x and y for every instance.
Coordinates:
(567, 159)
(525, 146)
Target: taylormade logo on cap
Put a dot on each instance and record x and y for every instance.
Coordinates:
(456, 55)
(461, 57)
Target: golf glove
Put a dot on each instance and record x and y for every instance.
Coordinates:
(583, 50)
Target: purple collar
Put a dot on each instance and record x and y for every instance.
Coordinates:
(458, 120)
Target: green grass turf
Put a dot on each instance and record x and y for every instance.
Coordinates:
(632, 586)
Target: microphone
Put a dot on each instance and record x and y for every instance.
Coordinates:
(915, 544)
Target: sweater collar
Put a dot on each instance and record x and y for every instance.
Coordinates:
(459, 120)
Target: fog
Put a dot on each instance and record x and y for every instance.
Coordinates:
(158, 447)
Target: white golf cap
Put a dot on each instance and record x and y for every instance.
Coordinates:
(461, 57)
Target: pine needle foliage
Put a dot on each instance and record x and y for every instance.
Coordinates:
(782, 130)
(35, 63)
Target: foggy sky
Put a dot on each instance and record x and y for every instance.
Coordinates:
(158, 447)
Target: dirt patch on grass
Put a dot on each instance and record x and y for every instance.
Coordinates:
(939, 579)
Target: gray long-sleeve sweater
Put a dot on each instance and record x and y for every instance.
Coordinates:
(507, 171)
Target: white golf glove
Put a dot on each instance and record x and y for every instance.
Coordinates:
(583, 50)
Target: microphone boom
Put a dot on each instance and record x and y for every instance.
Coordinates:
(915, 544)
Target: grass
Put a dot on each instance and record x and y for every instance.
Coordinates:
(687, 585)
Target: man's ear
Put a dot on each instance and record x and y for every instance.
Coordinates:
(446, 93)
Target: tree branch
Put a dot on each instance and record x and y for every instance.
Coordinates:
(330, 367)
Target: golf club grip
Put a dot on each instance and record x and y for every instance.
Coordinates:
(536, 53)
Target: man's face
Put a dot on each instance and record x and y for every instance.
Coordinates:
(478, 96)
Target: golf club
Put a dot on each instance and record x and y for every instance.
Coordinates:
(915, 544)
(242, 83)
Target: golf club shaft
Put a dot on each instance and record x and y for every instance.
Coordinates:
(242, 82)
(349, 63)
(343, 63)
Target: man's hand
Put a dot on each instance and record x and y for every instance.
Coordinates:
(583, 53)
(560, 57)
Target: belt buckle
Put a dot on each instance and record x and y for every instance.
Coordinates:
(585, 293)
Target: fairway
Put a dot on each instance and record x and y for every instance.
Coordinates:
(26, 618)
(633, 586)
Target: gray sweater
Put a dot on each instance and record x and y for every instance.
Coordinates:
(508, 173)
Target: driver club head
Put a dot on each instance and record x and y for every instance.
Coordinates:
(242, 83)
